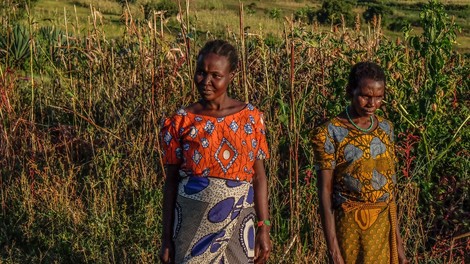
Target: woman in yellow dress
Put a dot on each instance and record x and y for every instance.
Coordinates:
(355, 160)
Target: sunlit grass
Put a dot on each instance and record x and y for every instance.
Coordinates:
(81, 177)
(212, 16)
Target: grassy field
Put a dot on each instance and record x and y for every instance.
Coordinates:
(216, 16)
(81, 170)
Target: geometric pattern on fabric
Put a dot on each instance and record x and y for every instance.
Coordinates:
(224, 147)
(215, 224)
(364, 163)
(226, 155)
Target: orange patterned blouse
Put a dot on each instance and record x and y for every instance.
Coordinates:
(224, 147)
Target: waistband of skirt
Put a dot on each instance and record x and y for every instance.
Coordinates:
(350, 206)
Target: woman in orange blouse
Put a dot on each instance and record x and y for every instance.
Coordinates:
(216, 189)
(354, 154)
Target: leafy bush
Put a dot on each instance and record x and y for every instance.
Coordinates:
(272, 41)
(169, 6)
(15, 46)
(433, 111)
(305, 14)
(332, 10)
(275, 13)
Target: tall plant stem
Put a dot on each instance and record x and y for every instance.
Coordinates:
(295, 142)
(243, 52)
(265, 66)
(69, 65)
(31, 72)
(154, 89)
(184, 29)
(188, 47)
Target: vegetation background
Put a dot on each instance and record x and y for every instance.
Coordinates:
(84, 85)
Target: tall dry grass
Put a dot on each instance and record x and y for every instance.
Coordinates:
(81, 169)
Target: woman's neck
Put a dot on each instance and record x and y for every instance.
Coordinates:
(215, 105)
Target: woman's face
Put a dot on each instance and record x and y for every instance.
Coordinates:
(212, 76)
(367, 97)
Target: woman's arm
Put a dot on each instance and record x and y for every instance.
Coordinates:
(167, 251)
(260, 186)
(325, 189)
(401, 249)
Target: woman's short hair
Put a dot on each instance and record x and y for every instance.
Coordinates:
(222, 48)
(364, 70)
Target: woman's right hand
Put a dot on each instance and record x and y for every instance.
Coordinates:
(325, 193)
(167, 253)
(336, 259)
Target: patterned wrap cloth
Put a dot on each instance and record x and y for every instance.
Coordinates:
(363, 188)
(214, 214)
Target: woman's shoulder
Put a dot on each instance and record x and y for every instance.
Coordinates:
(252, 108)
(254, 114)
(382, 119)
(333, 128)
(335, 121)
(386, 125)
(175, 118)
(180, 113)
(192, 108)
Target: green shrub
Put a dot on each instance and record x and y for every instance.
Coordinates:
(169, 6)
(15, 46)
(435, 111)
(272, 41)
(305, 14)
(332, 10)
(275, 13)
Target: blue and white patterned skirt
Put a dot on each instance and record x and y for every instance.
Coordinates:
(214, 221)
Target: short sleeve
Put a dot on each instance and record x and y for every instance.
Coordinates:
(392, 142)
(170, 143)
(263, 151)
(324, 149)
(387, 127)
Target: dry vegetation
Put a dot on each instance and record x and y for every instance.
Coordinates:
(81, 172)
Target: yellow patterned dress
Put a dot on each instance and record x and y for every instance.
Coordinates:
(364, 181)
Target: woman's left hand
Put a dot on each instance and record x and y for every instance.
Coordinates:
(262, 245)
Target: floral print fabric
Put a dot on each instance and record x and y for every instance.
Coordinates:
(225, 147)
